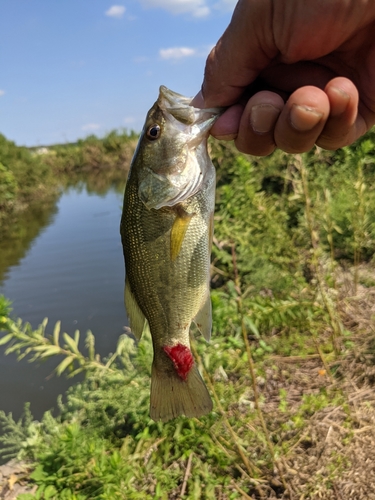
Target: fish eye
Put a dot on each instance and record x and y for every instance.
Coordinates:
(153, 132)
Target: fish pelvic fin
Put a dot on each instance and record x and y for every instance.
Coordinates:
(171, 396)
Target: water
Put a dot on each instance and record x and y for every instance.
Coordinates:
(67, 265)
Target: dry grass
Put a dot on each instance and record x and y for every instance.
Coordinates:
(333, 457)
(14, 480)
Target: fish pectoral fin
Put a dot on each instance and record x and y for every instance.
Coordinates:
(137, 320)
(203, 319)
(178, 232)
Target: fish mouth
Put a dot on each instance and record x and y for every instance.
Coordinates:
(178, 107)
(173, 98)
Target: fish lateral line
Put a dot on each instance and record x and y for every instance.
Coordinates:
(182, 359)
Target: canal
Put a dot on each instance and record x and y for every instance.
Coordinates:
(65, 264)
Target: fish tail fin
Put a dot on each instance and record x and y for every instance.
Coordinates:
(172, 396)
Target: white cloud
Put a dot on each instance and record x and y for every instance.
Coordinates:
(176, 52)
(197, 8)
(91, 126)
(2, 92)
(115, 11)
(128, 120)
(201, 11)
(226, 5)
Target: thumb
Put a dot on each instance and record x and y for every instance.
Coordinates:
(243, 51)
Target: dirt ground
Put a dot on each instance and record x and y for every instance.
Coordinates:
(13, 480)
(333, 458)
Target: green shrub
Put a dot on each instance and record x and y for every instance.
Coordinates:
(284, 226)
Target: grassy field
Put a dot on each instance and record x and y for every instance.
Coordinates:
(291, 363)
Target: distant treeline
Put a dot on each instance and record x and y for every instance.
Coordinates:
(114, 151)
(35, 174)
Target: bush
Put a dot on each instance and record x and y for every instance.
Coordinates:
(292, 234)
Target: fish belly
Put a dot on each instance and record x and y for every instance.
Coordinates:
(169, 291)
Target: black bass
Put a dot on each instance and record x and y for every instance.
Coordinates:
(166, 230)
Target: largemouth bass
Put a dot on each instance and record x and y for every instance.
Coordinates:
(166, 230)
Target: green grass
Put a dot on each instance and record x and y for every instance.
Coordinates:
(292, 265)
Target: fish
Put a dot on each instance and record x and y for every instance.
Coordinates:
(166, 232)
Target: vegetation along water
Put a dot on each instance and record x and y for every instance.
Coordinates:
(72, 272)
(290, 365)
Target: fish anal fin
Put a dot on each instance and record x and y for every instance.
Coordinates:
(171, 396)
(137, 320)
(203, 319)
(178, 231)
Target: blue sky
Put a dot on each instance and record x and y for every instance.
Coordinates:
(69, 68)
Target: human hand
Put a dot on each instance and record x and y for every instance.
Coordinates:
(293, 73)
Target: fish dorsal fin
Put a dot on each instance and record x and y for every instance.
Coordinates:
(178, 231)
(203, 319)
(137, 320)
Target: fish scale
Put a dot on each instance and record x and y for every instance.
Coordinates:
(166, 230)
(160, 286)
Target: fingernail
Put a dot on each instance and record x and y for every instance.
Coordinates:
(304, 118)
(228, 137)
(263, 117)
(344, 101)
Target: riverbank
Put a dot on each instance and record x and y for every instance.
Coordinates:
(290, 366)
(317, 410)
(29, 176)
(14, 480)
(24, 178)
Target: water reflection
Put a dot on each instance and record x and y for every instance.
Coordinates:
(64, 262)
(98, 182)
(15, 243)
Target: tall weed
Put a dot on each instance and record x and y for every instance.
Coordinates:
(285, 227)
